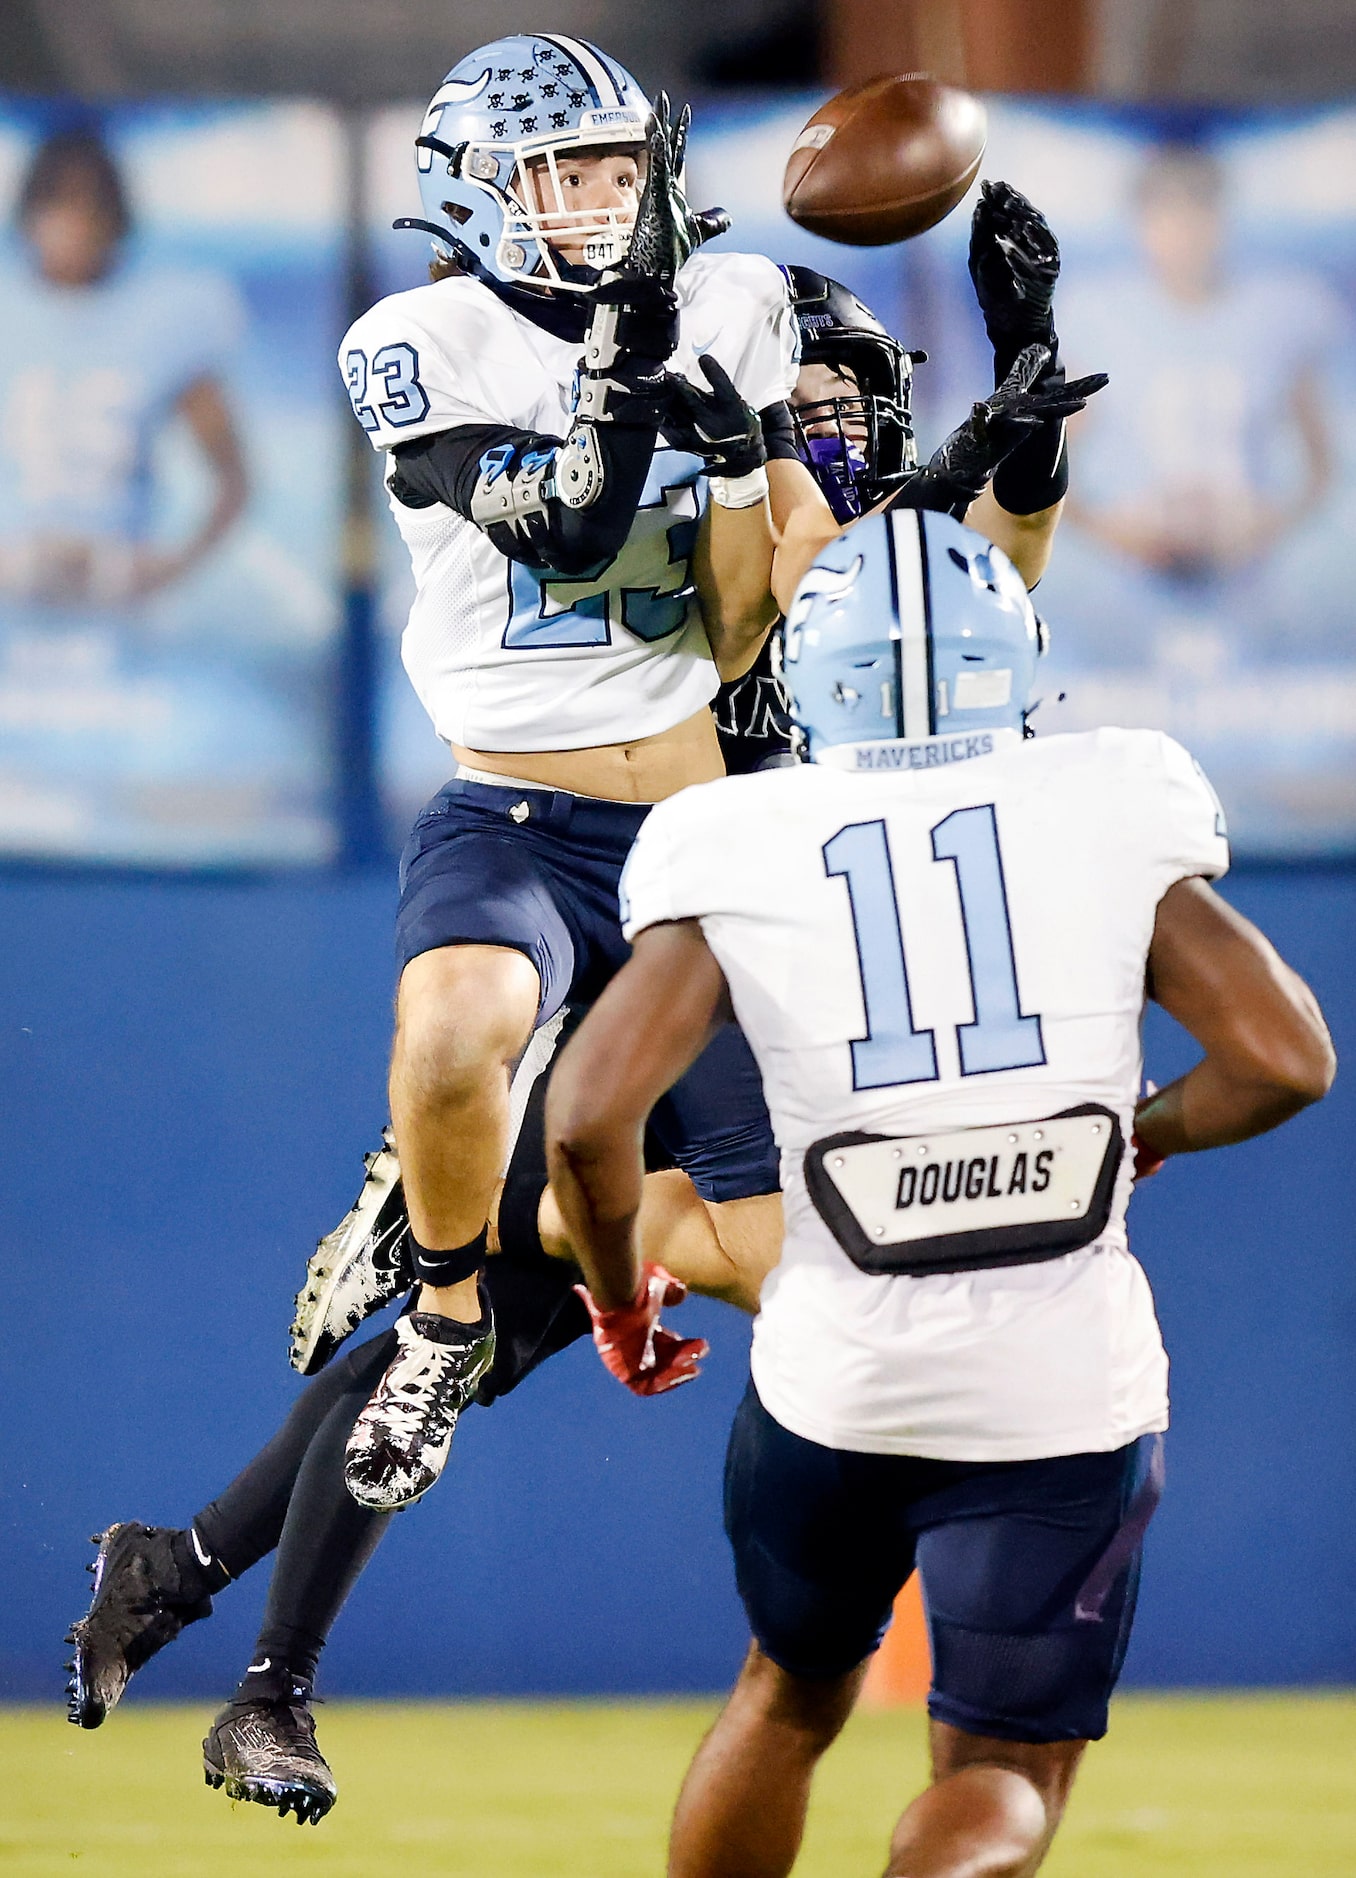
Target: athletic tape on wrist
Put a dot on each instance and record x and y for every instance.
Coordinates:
(739, 492)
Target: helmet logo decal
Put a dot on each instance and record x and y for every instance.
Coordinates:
(821, 583)
(453, 91)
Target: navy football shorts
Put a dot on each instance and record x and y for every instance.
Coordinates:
(537, 870)
(1029, 1568)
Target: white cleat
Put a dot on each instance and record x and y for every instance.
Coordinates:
(359, 1268)
(400, 1442)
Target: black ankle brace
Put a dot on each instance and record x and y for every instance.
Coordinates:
(449, 1267)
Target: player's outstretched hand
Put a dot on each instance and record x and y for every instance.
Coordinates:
(964, 464)
(694, 225)
(634, 1345)
(658, 243)
(1031, 395)
(667, 230)
(716, 424)
(1014, 264)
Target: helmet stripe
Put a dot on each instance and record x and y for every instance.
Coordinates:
(596, 74)
(909, 563)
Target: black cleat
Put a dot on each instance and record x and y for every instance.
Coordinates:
(138, 1607)
(358, 1268)
(263, 1749)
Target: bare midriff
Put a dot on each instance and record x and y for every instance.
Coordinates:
(644, 771)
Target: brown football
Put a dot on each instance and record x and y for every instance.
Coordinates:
(884, 160)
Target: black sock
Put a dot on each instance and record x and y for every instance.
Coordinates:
(243, 1524)
(199, 1575)
(327, 1538)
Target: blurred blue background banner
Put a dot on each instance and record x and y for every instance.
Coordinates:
(1201, 582)
(171, 482)
(188, 1073)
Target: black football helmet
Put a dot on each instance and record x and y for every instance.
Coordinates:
(858, 449)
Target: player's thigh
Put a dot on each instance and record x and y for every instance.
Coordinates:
(746, 1238)
(485, 951)
(1007, 1554)
(821, 1543)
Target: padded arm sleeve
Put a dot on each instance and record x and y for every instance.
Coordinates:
(504, 480)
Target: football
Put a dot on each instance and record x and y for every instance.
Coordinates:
(884, 160)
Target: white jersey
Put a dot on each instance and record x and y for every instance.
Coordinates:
(500, 659)
(880, 935)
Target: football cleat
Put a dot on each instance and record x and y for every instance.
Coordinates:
(358, 1268)
(263, 1748)
(400, 1441)
(137, 1608)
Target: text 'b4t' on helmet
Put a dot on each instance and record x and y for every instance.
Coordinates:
(857, 441)
(909, 625)
(506, 115)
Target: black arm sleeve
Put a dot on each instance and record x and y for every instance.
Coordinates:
(779, 432)
(575, 543)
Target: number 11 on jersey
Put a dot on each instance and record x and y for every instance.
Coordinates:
(893, 1051)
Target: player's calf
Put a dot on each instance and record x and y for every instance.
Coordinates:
(149, 1582)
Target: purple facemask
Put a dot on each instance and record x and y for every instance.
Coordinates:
(837, 463)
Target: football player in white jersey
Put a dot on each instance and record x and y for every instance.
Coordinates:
(937, 937)
(554, 415)
(551, 415)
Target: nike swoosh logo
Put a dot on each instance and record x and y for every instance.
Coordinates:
(256, 1669)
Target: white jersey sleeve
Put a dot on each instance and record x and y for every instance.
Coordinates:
(428, 360)
(1182, 819)
(674, 868)
(736, 307)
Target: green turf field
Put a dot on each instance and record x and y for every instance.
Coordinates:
(1242, 1787)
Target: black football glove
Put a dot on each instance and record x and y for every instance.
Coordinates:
(657, 247)
(964, 465)
(716, 424)
(1014, 264)
(694, 225)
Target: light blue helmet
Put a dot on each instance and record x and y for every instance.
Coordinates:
(909, 626)
(532, 95)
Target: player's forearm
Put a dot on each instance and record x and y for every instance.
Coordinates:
(597, 1188)
(808, 530)
(1212, 1106)
(1027, 540)
(1267, 1049)
(646, 1030)
(733, 569)
(503, 480)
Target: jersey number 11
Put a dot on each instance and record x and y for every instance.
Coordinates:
(1001, 1036)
